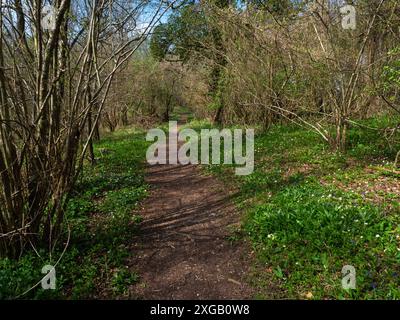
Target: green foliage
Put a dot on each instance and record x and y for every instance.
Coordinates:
(122, 278)
(185, 34)
(390, 78)
(360, 139)
(391, 72)
(276, 7)
(311, 232)
(304, 231)
(100, 217)
(161, 42)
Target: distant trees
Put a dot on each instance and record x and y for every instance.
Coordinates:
(190, 33)
(160, 89)
(146, 94)
(185, 36)
(281, 8)
(272, 61)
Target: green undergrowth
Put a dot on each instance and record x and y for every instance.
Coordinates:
(306, 219)
(101, 218)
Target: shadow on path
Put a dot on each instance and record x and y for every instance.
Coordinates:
(182, 251)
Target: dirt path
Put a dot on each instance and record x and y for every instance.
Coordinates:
(182, 251)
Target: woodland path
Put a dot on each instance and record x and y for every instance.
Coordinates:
(182, 251)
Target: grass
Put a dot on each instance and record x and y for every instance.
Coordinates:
(100, 217)
(311, 211)
(180, 112)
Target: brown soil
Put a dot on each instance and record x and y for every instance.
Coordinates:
(182, 251)
(377, 189)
